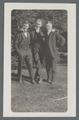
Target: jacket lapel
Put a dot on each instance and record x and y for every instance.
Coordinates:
(51, 35)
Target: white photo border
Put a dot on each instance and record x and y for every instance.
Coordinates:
(71, 11)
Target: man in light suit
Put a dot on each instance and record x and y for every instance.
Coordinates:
(51, 53)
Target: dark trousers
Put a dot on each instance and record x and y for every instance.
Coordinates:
(29, 62)
(38, 65)
(50, 69)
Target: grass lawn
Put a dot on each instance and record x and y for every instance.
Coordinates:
(43, 97)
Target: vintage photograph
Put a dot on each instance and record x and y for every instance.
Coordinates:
(39, 59)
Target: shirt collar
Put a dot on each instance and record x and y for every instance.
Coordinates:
(37, 29)
(53, 30)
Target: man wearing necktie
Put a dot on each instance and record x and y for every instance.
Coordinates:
(23, 48)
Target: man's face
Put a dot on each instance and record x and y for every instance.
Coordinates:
(39, 23)
(49, 26)
(25, 27)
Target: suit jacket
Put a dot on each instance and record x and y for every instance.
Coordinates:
(51, 41)
(37, 43)
(22, 43)
(33, 36)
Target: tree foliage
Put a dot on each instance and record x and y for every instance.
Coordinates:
(58, 17)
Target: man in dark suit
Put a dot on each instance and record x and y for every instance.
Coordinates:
(37, 37)
(51, 53)
(23, 49)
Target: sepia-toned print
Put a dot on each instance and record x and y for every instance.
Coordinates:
(40, 60)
